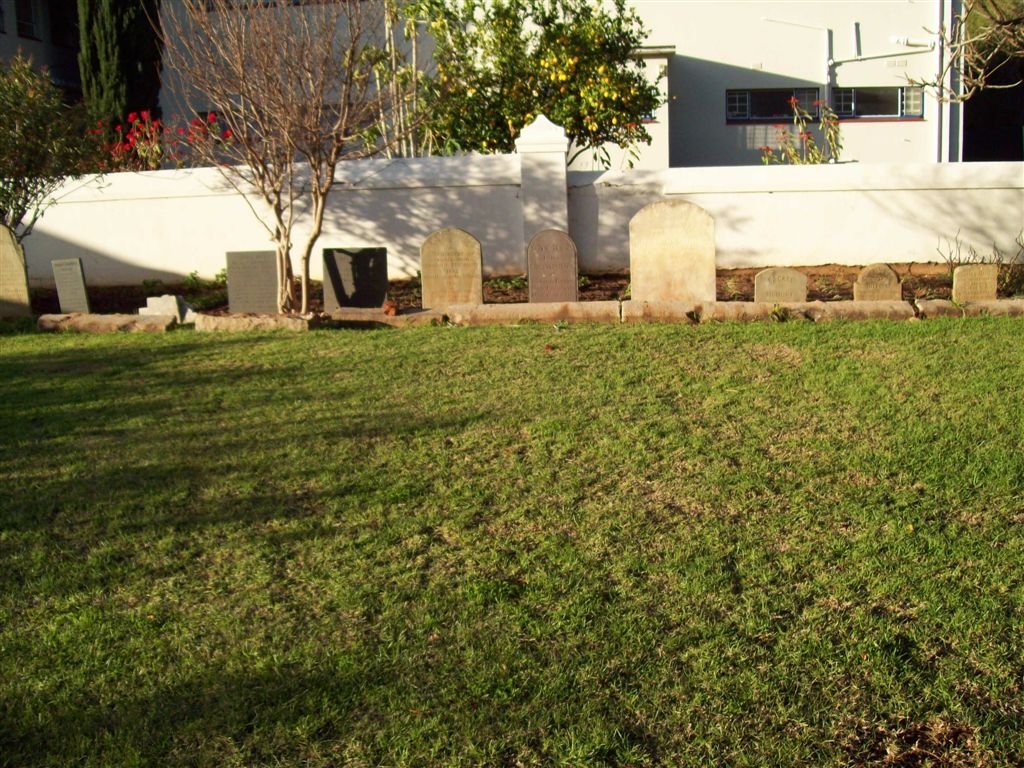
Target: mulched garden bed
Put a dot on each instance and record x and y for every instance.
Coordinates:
(829, 282)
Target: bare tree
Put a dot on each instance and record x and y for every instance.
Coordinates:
(291, 94)
(983, 41)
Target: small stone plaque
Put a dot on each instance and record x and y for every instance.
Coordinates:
(780, 285)
(975, 282)
(355, 277)
(252, 282)
(551, 261)
(14, 298)
(70, 280)
(451, 265)
(672, 253)
(877, 282)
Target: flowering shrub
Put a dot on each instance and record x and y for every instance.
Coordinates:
(141, 146)
(801, 148)
(144, 143)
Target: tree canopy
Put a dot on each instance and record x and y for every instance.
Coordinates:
(42, 143)
(501, 63)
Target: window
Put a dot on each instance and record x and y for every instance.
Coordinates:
(28, 19)
(768, 103)
(904, 101)
(2, 27)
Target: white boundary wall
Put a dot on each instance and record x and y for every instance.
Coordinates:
(806, 215)
(164, 225)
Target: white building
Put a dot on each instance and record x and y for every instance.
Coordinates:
(730, 67)
(47, 32)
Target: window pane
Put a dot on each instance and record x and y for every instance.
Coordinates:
(737, 104)
(842, 101)
(877, 102)
(913, 102)
(770, 103)
(25, 14)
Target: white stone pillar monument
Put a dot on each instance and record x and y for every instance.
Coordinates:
(542, 149)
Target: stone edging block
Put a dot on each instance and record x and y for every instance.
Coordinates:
(231, 323)
(554, 312)
(83, 322)
(358, 317)
(942, 308)
(663, 311)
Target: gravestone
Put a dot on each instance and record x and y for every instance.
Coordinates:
(877, 282)
(551, 265)
(672, 253)
(975, 282)
(355, 277)
(451, 266)
(14, 298)
(780, 285)
(252, 282)
(70, 280)
(168, 304)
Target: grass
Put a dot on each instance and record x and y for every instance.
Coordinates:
(739, 545)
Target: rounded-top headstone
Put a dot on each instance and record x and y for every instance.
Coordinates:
(780, 285)
(551, 264)
(877, 282)
(451, 269)
(672, 253)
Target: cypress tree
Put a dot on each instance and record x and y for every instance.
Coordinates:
(119, 56)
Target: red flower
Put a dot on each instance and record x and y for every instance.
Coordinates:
(793, 101)
(133, 116)
(196, 122)
(181, 131)
(818, 102)
(145, 115)
(212, 117)
(117, 128)
(227, 134)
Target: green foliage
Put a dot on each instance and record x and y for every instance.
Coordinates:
(42, 142)
(801, 148)
(119, 57)
(501, 64)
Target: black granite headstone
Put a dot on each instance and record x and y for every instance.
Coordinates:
(355, 277)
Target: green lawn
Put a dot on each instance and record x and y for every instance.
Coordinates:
(787, 544)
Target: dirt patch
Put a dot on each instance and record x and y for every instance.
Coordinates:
(827, 282)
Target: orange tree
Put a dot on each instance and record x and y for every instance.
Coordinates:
(499, 64)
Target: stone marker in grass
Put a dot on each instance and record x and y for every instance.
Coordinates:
(451, 268)
(672, 253)
(252, 282)
(14, 298)
(780, 285)
(355, 277)
(975, 282)
(551, 264)
(70, 280)
(877, 282)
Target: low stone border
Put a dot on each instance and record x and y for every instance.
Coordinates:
(234, 323)
(91, 323)
(355, 317)
(663, 311)
(942, 308)
(509, 314)
(573, 312)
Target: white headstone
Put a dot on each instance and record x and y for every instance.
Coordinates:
(451, 269)
(672, 253)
